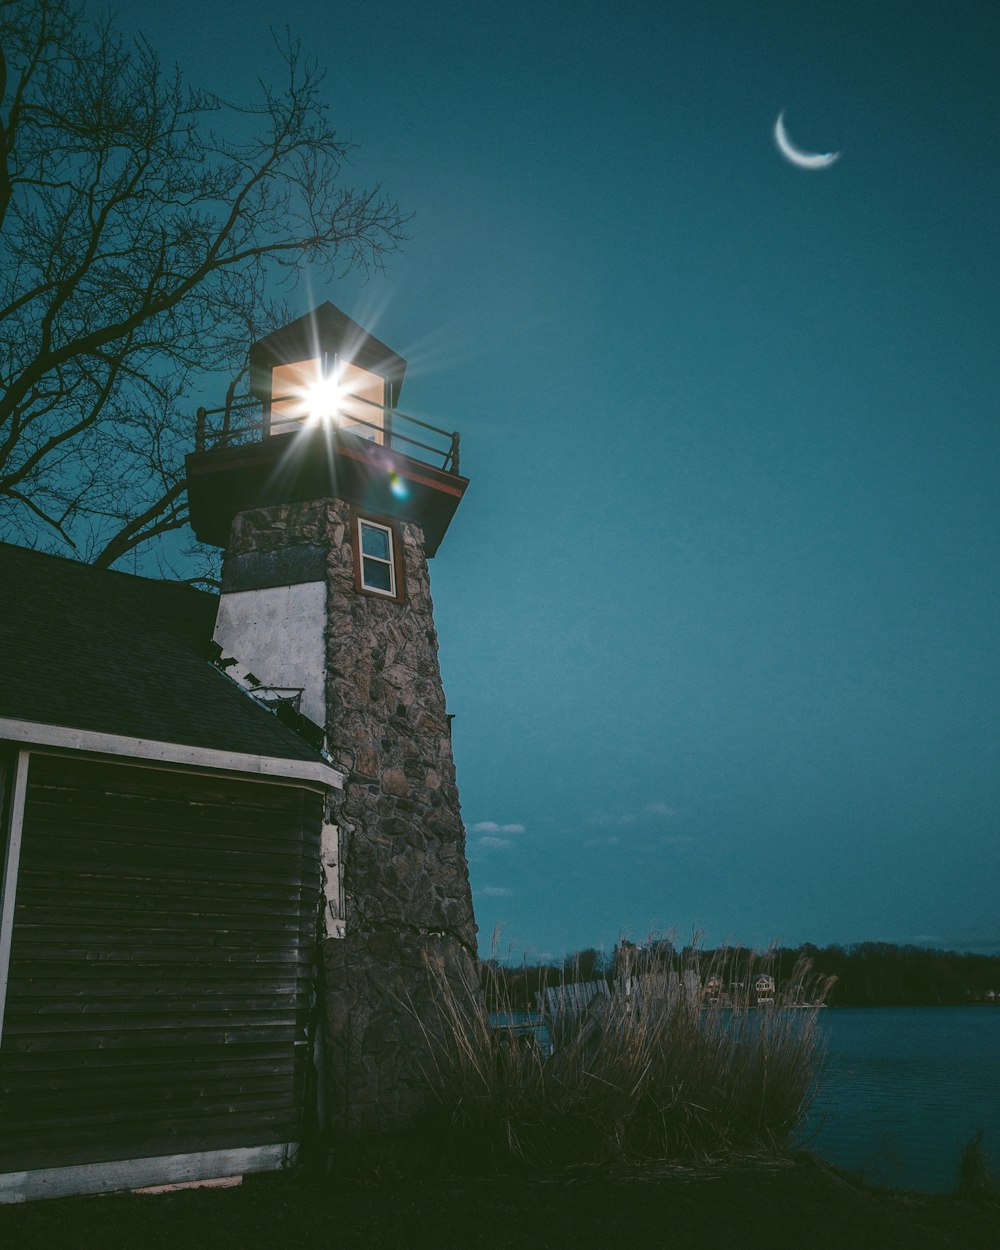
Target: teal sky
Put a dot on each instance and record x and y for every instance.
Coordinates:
(719, 614)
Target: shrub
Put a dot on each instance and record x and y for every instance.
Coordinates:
(651, 1069)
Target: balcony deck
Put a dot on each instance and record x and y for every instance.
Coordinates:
(396, 466)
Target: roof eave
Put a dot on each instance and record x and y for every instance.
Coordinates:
(264, 767)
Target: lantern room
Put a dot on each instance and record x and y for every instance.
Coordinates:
(324, 369)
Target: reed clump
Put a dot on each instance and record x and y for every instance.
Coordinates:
(650, 1063)
(975, 1178)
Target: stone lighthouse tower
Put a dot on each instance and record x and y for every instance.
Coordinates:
(328, 522)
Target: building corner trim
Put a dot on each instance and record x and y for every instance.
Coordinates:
(15, 823)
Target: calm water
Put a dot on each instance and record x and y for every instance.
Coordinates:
(905, 1088)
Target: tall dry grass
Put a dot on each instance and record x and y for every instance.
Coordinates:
(650, 1071)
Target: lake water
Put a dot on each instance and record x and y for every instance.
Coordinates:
(904, 1088)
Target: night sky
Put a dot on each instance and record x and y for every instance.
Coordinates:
(719, 613)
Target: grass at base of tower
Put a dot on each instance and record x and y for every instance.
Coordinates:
(649, 1065)
(763, 1204)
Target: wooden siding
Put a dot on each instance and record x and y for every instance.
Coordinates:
(161, 965)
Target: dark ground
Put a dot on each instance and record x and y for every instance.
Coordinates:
(750, 1206)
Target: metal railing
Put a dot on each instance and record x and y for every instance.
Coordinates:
(446, 457)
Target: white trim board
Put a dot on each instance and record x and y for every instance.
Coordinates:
(118, 1174)
(18, 789)
(34, 733)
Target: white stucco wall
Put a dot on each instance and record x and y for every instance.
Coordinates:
(278, 634)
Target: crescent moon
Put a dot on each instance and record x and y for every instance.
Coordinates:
(804, 160)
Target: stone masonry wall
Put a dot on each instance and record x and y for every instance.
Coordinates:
(402, 842)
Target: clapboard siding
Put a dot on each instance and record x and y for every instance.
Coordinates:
(161, 964)
(106, 1065)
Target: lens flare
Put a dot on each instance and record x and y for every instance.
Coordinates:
(323, 399)
(398, 486)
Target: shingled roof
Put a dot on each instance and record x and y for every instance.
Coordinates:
(110, 653)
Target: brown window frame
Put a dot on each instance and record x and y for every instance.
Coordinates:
(396, 544)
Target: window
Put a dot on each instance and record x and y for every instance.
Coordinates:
(377, 559)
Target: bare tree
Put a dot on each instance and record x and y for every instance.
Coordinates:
(141, 223)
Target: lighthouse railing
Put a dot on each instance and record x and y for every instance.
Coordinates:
(389, 428)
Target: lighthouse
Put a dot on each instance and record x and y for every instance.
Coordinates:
(327, 521)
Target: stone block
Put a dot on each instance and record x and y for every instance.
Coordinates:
(366, 762)
(394, 781)
(382, 945)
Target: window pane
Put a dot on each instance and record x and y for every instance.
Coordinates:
(376, 575)
(363, 399)
(289, 384)
(374, 542)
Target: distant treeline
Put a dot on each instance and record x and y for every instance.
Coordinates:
(878, 974)
(868, 974)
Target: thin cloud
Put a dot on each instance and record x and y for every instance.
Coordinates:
(495, 844)
(625, 820)
(494, 891)
(604, 820)
(613, 840)
(491, 826)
